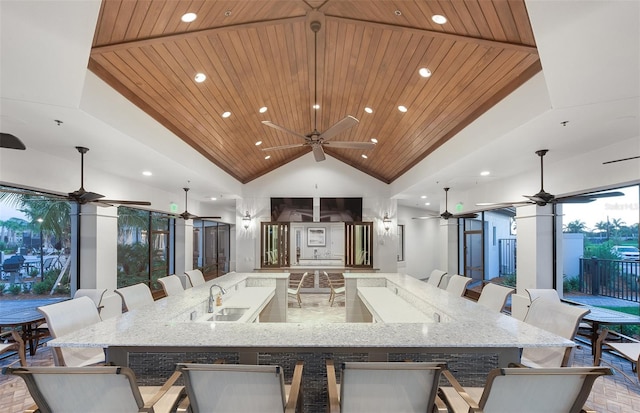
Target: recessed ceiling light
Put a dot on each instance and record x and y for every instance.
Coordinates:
(188, 17)
(213, 198)
(374, 140)
(423, 197)
(402, 108)
(226, 114)
(258, 143)
(439, 19)
(364, 156)
(398, 13)
(147, 173)
(316, 106)
(227, 13)
(485, 173)
(200, 77)
(368, 110)
(267, 157)
(424, 72)
(263, 109)
(427, 203)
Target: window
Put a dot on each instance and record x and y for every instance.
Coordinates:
(593, 237)
(36, 235)
(400, 242)
(211, 247)
(145, 247)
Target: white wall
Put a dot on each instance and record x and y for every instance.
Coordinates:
(573, 246)
(423, 250)
(306, 178)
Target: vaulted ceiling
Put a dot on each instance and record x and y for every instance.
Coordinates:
(264, 54)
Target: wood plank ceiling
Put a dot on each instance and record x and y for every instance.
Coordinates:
(261, 54)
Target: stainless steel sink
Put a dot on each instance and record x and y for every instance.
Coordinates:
(228, 314)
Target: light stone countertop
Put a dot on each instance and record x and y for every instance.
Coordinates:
(464, 324)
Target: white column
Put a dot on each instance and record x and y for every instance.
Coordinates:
(184, 245)
(98, 246)
(534, 253)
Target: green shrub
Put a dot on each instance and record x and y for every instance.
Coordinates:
(2, 287)
(509, 280)
(570, 284)
(15, 289)
(26, 288)
(43, 287)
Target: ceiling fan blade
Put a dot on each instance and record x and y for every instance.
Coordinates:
(277, 148)
(465, 216)
(339, 127)
(208, 217)
(121, 202)
(350, 145)
(282, 129)
(83, 197)
(10, 141)
(621, 160)
(583, 199)
(318, 152)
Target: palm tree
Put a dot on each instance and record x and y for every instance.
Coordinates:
(575, 227)
(617, 224)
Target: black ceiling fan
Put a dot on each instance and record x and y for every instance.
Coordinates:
(81, 195)
(315, 139)
(446, 214)
(543, 197)
(10, 141)
(186, 215)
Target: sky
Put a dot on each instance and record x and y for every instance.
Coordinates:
(624, 208)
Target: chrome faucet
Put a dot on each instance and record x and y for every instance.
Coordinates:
(211, 300)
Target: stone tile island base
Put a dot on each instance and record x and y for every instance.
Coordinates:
(152, 368)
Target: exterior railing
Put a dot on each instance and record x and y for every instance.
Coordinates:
(610, 278)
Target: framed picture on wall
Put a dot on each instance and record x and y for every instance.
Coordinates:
(316, 237)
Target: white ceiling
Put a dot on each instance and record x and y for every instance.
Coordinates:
(590, 53)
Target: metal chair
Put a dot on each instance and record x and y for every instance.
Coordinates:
(628, 349)
(336, 288)
(16, 345)
(68, 316)
(435, 277)
(295, 292)
(382, 387)
(195, 277)
(135, 296)
(96, 389)
(558, 318)
(171, 285)
(458, 284)
(238, 388)
(522, 390)
(494, 296)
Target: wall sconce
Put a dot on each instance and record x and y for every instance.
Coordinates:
(386, 221)
(246, 220)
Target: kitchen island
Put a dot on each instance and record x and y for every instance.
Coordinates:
(471, 338)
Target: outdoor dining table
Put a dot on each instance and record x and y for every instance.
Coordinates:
(24, 315)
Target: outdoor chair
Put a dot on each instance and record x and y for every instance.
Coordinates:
(494, 296)
(544, 390)
(557, 318)
(337, 288)
(295, 292)
(195, 277)
(382, 387)
(552, 295)
(69, 316)
(16, 345)
(628, 349)
(237, 388)
(96, 390)
(435, 277)
(458, 284)
(109, 303)
(171, 285)
(135, 296)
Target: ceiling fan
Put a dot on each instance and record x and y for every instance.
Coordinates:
(82, 196)
(543, 198)
(10, 141)
(446, 214)
(186, 215)
(315, 139)
(621, 160)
